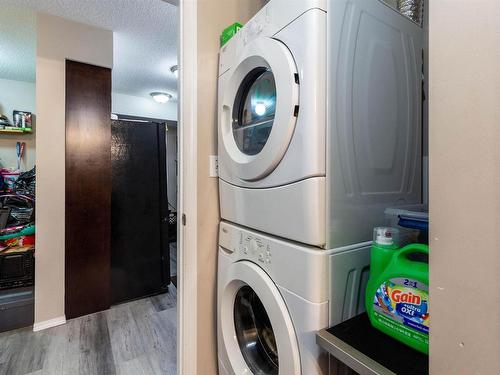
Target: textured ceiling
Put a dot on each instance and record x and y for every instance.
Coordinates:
(17, 44)
(145, 39)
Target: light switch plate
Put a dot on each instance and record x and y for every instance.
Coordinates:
(214, 165)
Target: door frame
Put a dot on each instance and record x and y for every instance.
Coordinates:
(187, 200)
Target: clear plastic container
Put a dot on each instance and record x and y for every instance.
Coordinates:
(412, 222)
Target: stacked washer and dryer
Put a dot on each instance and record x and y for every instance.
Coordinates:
(319, 132)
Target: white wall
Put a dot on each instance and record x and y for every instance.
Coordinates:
(58, 40)
(123, 104)
(464, 152)
(16, 95)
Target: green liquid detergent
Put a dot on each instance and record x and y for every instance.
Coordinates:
(397, 295)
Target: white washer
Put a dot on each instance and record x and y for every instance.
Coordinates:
(278, 159)
(274, 295)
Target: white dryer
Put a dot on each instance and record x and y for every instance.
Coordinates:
(274, 295)
(319, 119)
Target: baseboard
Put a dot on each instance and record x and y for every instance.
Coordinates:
(49, 323)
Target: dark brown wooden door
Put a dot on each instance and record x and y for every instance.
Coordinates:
(88, 188)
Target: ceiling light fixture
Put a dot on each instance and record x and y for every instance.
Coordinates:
(161, 97)
(175, 69)
(260, 109)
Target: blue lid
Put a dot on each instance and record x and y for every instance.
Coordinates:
(419, 221)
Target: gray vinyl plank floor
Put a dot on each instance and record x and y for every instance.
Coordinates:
(134, 338)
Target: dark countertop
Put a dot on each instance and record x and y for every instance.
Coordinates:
(368, 351)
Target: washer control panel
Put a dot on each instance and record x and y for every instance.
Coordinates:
(255, 248)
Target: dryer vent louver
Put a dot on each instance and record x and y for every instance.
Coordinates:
(413, 9)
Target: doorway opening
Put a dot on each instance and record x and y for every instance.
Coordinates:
(17, 167)
(134, 48)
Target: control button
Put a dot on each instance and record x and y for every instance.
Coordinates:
(252, 27)
(268, 261)
(268, 253)
(261, 257)
(245, 250)
(253, 246)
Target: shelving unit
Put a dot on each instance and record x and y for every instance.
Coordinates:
(17, 307)
(370, 352)
(15, 131)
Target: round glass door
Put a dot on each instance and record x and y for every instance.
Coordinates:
(254, 111)
(255, 334)
(255, 326)
(258, 109)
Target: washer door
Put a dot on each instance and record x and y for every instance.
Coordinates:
(259, 109)
(256, 327)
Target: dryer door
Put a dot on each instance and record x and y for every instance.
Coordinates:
(256, 327)
(259, 109)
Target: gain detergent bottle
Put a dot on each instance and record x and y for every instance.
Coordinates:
(397, 295)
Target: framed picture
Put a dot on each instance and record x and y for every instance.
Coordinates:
(22, 119)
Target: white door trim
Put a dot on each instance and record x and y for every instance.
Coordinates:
(40, 326)
(187, 246)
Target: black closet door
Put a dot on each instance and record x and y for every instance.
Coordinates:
(140, 263)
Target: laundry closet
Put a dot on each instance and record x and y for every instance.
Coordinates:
(322, 139)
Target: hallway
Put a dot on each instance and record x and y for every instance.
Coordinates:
(135, 338)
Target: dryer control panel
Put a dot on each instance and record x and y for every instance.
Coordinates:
(256, 25)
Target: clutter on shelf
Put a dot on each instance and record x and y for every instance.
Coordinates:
(17, 209)
(23, 123)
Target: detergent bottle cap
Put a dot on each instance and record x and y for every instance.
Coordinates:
(386, 236)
